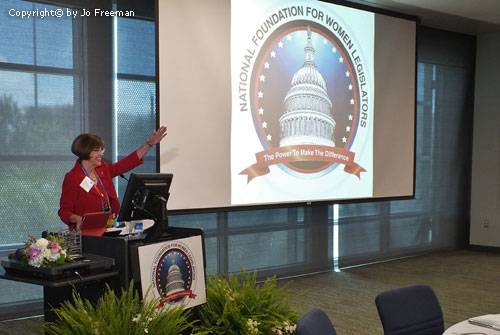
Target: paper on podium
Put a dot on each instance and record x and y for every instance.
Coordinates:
(489, 321)
(123, 230)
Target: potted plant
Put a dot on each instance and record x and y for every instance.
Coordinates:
(126, 314)
(239, 305)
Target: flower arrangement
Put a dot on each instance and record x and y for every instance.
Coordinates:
(44, 252)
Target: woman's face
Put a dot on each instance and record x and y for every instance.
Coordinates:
(95, 158)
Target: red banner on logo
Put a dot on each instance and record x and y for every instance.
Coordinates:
(176, 296)
(297, 153)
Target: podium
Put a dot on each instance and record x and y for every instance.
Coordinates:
(169, 262)
(171, 268)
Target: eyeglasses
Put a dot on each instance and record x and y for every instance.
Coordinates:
(100, 149)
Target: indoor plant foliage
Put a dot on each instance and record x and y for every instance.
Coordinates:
(240, 305)
(117, 315)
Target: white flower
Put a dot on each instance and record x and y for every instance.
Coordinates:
(252, 326)
(42, 243)
(252, 323)
(51, 257)
(35, 262)
(45, 254)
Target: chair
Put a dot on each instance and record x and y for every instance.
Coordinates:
(410, 310)
(315, 322)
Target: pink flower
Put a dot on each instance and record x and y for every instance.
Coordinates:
(34, 253)
(277, 330)
(54, 247)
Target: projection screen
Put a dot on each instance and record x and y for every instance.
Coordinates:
(270, 102)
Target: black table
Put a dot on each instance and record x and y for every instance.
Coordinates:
(89, 276)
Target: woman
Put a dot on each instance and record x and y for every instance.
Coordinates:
(88, 187)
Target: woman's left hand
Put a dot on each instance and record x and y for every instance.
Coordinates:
(157, 135)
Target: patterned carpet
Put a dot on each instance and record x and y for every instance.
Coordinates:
(466, 284)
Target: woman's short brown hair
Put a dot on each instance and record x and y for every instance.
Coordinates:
(84, 144)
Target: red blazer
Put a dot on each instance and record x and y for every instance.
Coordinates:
(75, 200)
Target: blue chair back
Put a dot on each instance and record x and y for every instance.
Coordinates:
(410, 310)
(315, 322)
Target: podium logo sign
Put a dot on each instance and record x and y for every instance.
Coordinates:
(173, 275)
(173, 271)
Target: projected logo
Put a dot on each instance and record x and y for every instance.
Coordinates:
(173, 275)
(306, 101)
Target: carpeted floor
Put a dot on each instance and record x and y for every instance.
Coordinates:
(465, 283)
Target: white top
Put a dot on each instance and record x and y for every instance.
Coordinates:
(467, 328)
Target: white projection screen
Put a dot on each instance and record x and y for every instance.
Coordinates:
(279, 102)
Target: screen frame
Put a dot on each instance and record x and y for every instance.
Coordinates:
(292, 204)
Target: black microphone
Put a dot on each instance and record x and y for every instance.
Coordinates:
(123, 176)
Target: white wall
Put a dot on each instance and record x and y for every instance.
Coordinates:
(485, 193)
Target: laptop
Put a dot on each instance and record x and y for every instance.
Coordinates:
(94, 224)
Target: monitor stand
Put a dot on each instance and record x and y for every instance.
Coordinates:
(159, 231)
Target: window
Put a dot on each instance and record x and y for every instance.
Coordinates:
(41, 78)
(40, 114)
(438, 216)
(136, 90)
(282, 241)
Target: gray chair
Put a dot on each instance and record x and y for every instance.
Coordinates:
(410, 310)
(315, 322)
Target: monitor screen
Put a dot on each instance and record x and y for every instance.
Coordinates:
(146, 197)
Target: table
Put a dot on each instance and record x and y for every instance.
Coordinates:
(90, 284)
(465, 328)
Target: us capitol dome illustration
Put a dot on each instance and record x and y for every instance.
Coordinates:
(307, 118)
(175, 283)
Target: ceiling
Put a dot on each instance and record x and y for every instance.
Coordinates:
(472, 17)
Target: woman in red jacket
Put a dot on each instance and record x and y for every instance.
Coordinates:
(89, 187)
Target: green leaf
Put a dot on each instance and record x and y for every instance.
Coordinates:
(237, 304)
(124, 314)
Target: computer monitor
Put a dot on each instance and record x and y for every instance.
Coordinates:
(146, 197)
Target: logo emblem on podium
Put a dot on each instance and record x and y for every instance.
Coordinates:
(174, 276)
(173, 271)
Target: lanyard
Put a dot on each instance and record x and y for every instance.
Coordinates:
(104, 188)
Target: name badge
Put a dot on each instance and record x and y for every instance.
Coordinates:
(87, 184)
